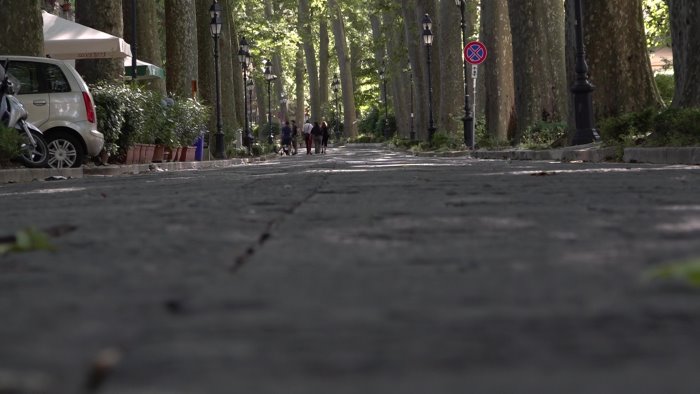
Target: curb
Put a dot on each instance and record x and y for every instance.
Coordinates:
(26, 175)
(690, 155)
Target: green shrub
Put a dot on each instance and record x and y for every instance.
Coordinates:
(627, 128)
(676, 127)
(10, 141)
(367, 124)
(543, 135)
(447, 141)
(666, 85)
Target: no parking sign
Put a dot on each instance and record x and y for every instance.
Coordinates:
(475, 53)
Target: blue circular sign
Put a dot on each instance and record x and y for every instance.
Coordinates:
(475, 52)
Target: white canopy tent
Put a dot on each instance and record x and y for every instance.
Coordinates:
(68, 40)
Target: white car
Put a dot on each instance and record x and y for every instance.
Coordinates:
(59, 103)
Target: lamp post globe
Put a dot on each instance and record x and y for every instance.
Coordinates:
(215, 30)
(428, 42)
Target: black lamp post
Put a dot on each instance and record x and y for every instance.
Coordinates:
(428, 41)
(582, 89)
(269, 77)
(468, 115)
(336, 86)
(382, 77)
(250, 87)
(215, 29)
(410, 75)
(244, 59)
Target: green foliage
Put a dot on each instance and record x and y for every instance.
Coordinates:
(10, 142)
(447, 141)
(129, 115)
(685, 271)
(486, 140)
(629, 128)
(672, 127)
(27, 240)
(368, 122)
(676, 127)
(666, 85)
(657, 23)
(543, 135)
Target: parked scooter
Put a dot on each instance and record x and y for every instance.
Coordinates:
(35, 153)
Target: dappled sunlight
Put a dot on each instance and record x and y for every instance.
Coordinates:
(46, 191)
(687, 225)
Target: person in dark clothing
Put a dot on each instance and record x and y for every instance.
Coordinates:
(317, 136)
(324, 136)
(295, 136)
(286, 138)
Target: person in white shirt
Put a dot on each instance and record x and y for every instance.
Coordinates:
(307, 135)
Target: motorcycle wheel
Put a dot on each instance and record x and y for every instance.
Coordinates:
(33, 156)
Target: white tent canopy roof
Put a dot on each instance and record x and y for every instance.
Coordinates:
(67, 40)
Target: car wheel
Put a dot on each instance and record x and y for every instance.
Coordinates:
(64, 151)
(34, 156)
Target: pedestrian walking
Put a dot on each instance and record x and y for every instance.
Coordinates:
(318, 137)
(324, 136)
(286, 138)
(295, 137)
(307, 135)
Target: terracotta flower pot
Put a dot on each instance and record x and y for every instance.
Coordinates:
(131, 153)
(148, 153)
(158, 154)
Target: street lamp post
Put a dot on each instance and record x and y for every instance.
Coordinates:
(336, 86)
(428, 41)
(244, 59)
(410, 75)
(582, 89)
(382, 77)
(269, 77)
(215, 30)
(250, 86)
(468, 115)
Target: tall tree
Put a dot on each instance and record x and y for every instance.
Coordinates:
(450, 64)
(299, 82)
(618, 59)
(336, 15)
(20, 29)
(541, 93)
(498, 70)
(686, 52)
(105, 16)
(306, 33)
(148, 43)
(323, 62)
(181, 47)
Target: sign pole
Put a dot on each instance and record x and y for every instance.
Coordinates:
(474, 53)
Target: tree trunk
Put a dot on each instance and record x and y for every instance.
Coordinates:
(299, 82)
(399, 81)
(105, 16)
(237, 70)
(21, 28)
(541, 93)
(498, 70)
(450, 64)
(618, 59)
(181, 47)
(417, 57)
(323, 60)
(147, 45)
(686, 52)
(350, 130)
(277, 69)
(305, 20)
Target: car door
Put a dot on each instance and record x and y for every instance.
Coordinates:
(33, 92)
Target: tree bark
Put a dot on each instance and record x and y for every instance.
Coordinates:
(21, 28)
(618, 59)
(299, 82)
(324, 63)
(541, 93)
(399, 82)
(181, 48)
(450, 64)
(147, 46)
(305, 31)
(105, 16)
(498, 70)
(413, 32)
(686, 52)
(350, 129)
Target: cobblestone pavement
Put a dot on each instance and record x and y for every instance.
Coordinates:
(360, 271)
